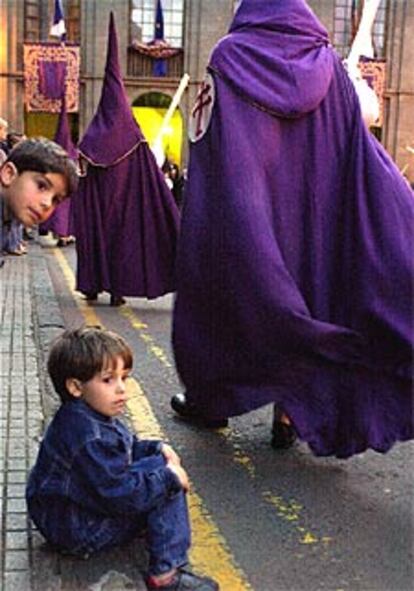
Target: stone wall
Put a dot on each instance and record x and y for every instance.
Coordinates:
(399, 124)
(11, 63)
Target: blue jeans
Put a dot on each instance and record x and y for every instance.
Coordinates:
(166, 528)
(14, 236)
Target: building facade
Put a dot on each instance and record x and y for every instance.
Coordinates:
(192, 27)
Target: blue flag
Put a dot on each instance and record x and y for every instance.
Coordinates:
(160, 67)
(159, 22)
(58, 28)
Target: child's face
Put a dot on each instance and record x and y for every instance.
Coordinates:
(32, 196)
(106, 391)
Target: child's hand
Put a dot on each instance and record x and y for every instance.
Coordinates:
(181, 475)
(170, 455)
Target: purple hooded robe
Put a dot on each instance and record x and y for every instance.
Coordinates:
(60, 221)
(125, 217)
(295, 260)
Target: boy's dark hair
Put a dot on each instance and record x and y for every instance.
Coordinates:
(43, 155)
(82, 353)
(13, 138)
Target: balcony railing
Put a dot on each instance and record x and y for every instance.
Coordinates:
(142, 66)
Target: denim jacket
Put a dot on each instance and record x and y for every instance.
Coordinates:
(92, 462)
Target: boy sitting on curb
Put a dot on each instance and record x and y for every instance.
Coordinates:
(94, 484)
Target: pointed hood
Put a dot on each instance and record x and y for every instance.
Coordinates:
(113, 132)
(63, 136)
(275, 56)
(60, 221)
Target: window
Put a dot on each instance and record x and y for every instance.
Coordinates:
(347, 15)
(38, 19)
(31, 20)
(143, 20)
(72, 18)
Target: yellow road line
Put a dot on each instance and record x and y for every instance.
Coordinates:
(209, 553)
(141, 328)
(89, 314)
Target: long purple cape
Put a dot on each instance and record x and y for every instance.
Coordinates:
(60, 221)
(295, 260)
(126, 220)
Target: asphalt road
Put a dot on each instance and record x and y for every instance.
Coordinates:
(276, 521)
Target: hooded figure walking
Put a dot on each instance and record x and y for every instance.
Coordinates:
(295, 260)
(125, 217)
(59, 222)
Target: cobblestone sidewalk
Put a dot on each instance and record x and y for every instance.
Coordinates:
(21, 418)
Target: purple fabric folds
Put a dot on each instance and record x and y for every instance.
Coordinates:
(295, 259)
(60, 221)
(277, 58)
(125, 217)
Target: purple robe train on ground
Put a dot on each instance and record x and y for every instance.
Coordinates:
(295, 260)
(125, 217)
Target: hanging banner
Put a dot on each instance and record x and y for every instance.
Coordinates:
(49, 70)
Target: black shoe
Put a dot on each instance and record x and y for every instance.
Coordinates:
(184, 580)
(186, 410)
(117, 301)
(283, 435)
(90, 296)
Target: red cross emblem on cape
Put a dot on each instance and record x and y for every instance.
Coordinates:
(201, 114)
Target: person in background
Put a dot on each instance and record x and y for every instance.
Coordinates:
(13, 242)
(125, 220)
(3, 155)
(60, 222)
(4, 150)
(177, 184)
(166, 171)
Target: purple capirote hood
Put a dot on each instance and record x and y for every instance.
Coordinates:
(63, 136)
(60, 222)
(113, 132)
(275, 56)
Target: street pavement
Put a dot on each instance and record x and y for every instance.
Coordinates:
(263, 521)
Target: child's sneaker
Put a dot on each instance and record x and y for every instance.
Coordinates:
(184, 580)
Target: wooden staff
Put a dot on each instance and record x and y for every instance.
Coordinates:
(362, 45)
(157, 144)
